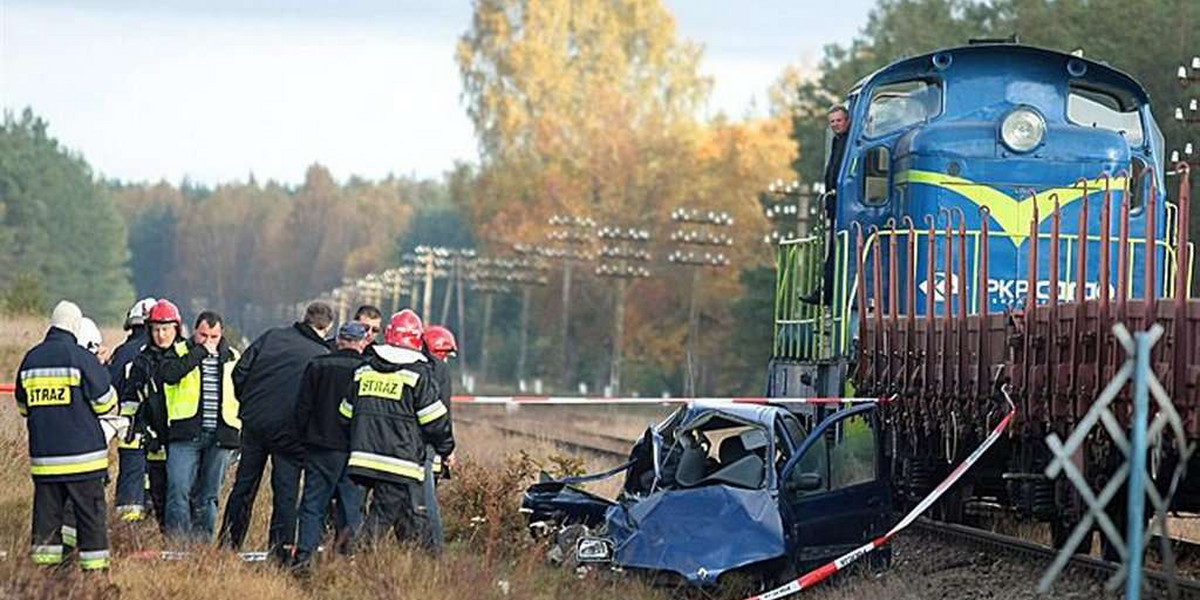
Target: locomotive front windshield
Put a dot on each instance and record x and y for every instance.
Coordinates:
(898, 105)
(1094, 108)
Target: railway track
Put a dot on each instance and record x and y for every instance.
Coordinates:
(613, 447)
(1158, 581)
(600, 445)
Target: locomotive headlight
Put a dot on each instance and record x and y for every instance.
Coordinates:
(1023, 129)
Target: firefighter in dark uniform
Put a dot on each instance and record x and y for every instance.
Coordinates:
(440, 346)
(61, 391)
(131, 473)
(395, 415)
(144, 390)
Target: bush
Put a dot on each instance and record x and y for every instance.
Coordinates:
(26, 296)
(480, 506)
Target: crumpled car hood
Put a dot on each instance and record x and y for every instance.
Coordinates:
(558, 501)
(698, 533)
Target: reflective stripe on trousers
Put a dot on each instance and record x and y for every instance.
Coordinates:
(47, 555)
(93, 560)
(70, 464)
(387, 464)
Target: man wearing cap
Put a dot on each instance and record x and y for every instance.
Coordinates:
(267, 380)
(326, 438)
(131, 471)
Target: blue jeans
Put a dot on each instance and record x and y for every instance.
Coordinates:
(325, 476)
(131, 482)
(195, 473)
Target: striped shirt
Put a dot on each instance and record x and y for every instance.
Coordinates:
(210, 392)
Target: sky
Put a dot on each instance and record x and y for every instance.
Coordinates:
(214, 90)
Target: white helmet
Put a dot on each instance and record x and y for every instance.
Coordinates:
(138, 313)
(88, 335)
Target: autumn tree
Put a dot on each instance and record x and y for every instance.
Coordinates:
(577, 105)
(591, 107)
(253, 250)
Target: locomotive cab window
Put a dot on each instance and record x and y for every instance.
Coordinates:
(877, 167)
(895, 106)
(1139, 185)
(1094, 108)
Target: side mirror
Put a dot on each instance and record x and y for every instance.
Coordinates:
(804, 482)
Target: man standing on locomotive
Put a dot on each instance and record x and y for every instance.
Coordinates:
(839, 123)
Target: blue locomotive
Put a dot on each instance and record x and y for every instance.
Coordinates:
(991, 132)
(998, 209)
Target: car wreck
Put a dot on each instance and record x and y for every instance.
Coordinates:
(723, 488)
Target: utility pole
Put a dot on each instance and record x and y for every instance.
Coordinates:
(574, 233)
(493, 276)
(489, 291)
(450, 285)
(427, 296)
(370, 289)
(523, 337)
(701, 244)
(1186, 78)
(462, 328)
(622, 259)
(437, 262)
(413, 289)
(532, 274)
(790, 208)
(395, 279)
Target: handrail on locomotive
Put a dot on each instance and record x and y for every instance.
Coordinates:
(827, 333)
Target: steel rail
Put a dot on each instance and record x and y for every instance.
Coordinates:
(1158, 581)
(542, 435)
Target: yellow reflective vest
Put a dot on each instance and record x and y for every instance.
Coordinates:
(183, 401)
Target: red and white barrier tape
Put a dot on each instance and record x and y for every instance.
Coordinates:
(822, 573)
(8, 388)
(576, 400)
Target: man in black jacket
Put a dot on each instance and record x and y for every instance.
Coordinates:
(267, 380)
(327, 443)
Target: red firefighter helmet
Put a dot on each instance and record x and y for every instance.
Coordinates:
(404, 330)
(440, 341)
(164, 311)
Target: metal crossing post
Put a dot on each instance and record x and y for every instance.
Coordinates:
(1137, 459)
(1153, 414)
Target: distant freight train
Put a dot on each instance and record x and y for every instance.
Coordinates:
(999, 208)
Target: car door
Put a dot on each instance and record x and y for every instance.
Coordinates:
(834, 493)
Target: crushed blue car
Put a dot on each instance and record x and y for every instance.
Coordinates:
(720, 488)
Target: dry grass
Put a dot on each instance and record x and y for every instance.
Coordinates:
(490, 555)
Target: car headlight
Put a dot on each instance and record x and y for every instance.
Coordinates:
(1023, 129)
